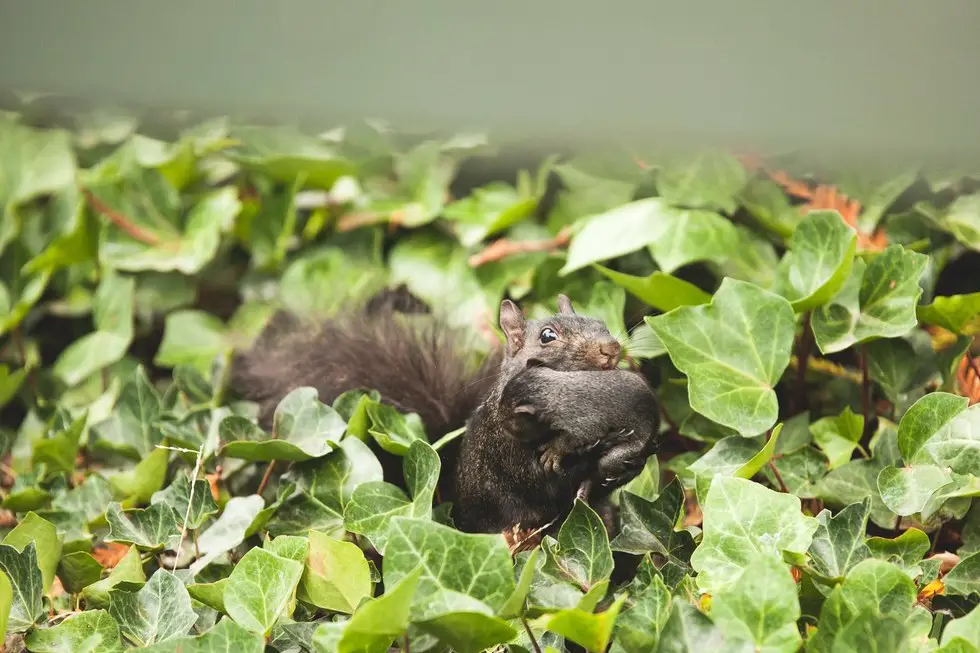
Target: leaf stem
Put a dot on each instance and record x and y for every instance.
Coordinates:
(803, 357)
(405, 646)
(779, 478)
(502, 248)
(120, 220)
(534, 641)
(266, 476)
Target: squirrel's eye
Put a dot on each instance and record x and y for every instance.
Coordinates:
(548, 335)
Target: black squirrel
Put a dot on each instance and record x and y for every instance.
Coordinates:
(554, 427)
(426, 367)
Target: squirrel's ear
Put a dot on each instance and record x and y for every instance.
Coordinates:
(512, 324)
(565, 305)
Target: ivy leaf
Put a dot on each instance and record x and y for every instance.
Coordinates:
(147, 477)
(766, 202)
(838, 436)
(460, 571)
(302, 428)
(708, 179)
(940, 429)
(150, 529)
(742, 521)
(301, 512)
(228, 530)
(675, 236)
(375, 623)
(957, 313)
(89, 500)
(733, 456)
(647, 610)
(336, 576)
(260, 588)
(905, 551)
(394, 431)
(333, 478)
(490, 210)
(710, 344)
(966, 628)
(112, 312)
(59, 447)
(78, 570)
(851, 483)
(907, 490)
(877, 301)
(648, 526)
(127, 574)
(838, 543)
(92, 631)
(21, 569)
(193, 338)
(761, 607)
(375, 503)
(33, 162)
(662, 291)
(819, 260)
(178, 496)
(690, 631)
(583, 554)
(225, 637)
(646, 484)
(283, 153)
(160, 611)
(964, 578)
(801, 471)
(130, 430)
(962, 219)
(159, 238)
(6, 601)
(44, 536)
(590, 630)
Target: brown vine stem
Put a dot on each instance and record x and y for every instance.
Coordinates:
(534, 641)
(266, 477)
(120, 220)
(502, 248)
(779, 478)
(803, 358)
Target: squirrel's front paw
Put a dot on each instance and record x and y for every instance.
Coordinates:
(551, 461)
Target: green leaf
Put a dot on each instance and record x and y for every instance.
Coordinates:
(957, 313)
(647, 610)
(801, 471)
(966, 628)
(876, 192)
(93, 631)
(489, 210)
(743, 520)
(44, 535)
(260, 588)
(662, 291)
(962, 219)
(940, 429)
(88, 499)
(149, 529)
(141, 482)
(646, 484)
(6, 601)
(112, 308)
(838, 543)
(336, 576)
(21, 569)
(333, 478)
(583, 553)
(210, 594)
(179, 497)
(283, 153)
(819, 260)
(33, 163)
(394, 431)
(907, 490)
(302, 428)
(78, 570)
(690, 631)
(877, 301)
(229, 530)
(648, 526)
(458, 569)
(707, 179)
(709, 343)
(306, 286)
(59, 448)
(905, 551)
(469, 632)
(300, 513)
(160, 238)
(892, 364)
(761, 607)
(766, 202)
(733, 456)
(677, 236)
(590, 630)
(838, 436)
(964, 578)
(160, 611)
(192, 338)
(225, 637)
(127, 574)
(375, 623)
(374, 504)
(851, 483)
(131, 429)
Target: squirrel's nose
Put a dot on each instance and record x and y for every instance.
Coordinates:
(610, 350)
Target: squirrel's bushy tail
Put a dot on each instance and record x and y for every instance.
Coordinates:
(417, 362)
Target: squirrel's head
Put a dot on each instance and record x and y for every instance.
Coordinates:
(566, 342)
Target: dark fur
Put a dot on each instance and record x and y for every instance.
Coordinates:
(600, 425)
